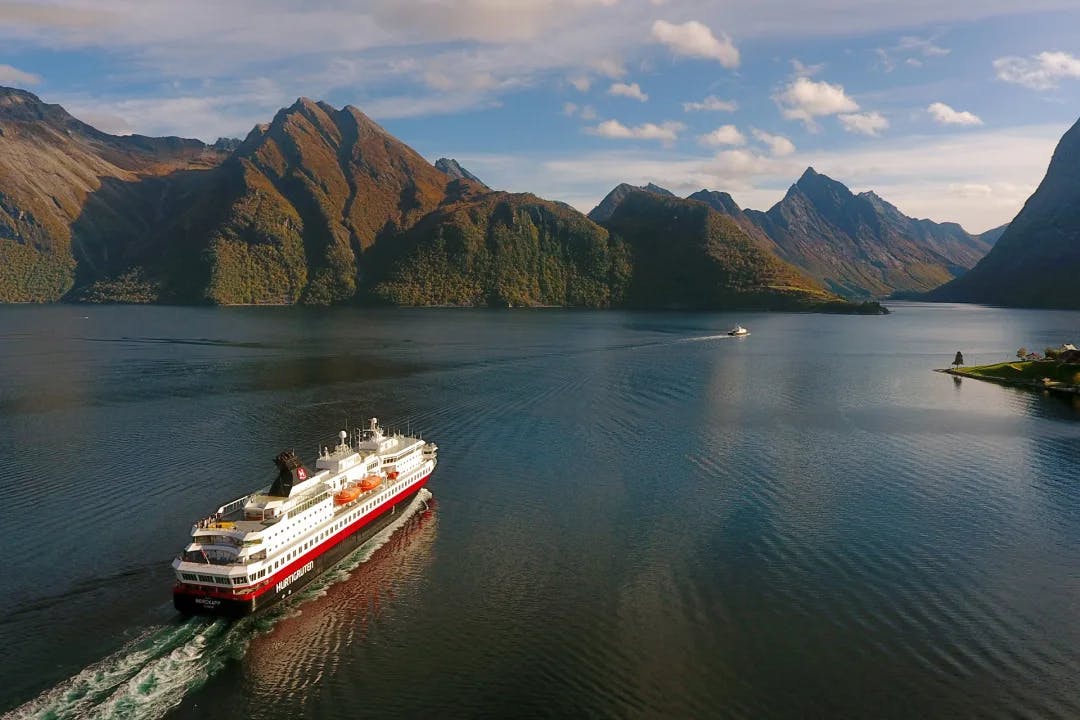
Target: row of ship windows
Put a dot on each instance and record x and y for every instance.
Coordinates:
(307, 504)
(218, 580)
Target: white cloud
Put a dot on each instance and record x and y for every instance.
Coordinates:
(206, 117)
(585, 112)
(779, 146)
(723, 135)
(1039, 72)
(945, 115)
(694, 39)
(803, 99)
(390, 50)
(866, 123)
(107, 122)
(711, 103)
(925, 176)
(14, 76)
(923, 46)
(581, 83)
(913, 49)
(631, 90)
(805, 70)
(666, 132)
(970, 190)
(404, 106)
(609, 67)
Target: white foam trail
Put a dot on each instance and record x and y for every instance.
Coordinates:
(703, 338)
(151, 674)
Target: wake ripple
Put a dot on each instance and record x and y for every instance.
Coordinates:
(151, 674)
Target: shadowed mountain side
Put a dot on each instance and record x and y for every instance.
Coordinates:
(51, 165)
(991, 236)
(687, 255)
(1036, 261)
(145, 240)
(860, 245)
(724, 204)
(620, 192)
(501, 249)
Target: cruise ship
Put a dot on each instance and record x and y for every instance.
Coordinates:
(263, 547)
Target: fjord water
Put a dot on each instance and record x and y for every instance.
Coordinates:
(633, 514)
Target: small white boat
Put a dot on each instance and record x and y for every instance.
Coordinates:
(738, 331)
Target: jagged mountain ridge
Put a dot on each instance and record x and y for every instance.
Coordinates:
(1036, 261)
(859, 246)
(322, 205)
(692, 256)
(305, 196)
(453, 168)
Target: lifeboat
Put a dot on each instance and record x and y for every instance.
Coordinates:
(392, 474)
(347, 495)
(370, 482)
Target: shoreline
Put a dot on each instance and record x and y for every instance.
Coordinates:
(1042, 384)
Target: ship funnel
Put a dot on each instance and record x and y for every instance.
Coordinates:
(290, 473)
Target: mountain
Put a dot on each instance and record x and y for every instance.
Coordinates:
(322, 205)
(687, 255)
(607, 206)
(719, 201)
(860, 245)
(1036, 261)
(72, 198)
(452, 168)
(503, 249)
(302, 200)
(991, 236)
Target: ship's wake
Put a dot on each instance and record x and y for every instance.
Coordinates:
(704, 338)
(151, 674)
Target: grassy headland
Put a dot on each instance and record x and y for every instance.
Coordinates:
(1038, 374)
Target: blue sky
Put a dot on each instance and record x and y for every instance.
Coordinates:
(950, 110)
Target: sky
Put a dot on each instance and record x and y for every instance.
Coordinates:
(949, 110)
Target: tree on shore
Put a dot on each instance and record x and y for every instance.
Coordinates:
(1022, 353)
(958, 360)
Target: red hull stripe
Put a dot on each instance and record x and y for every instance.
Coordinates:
(267, 585)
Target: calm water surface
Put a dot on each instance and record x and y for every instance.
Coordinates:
(633, 515)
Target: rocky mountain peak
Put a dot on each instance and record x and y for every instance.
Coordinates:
(720, 201)
(454, 169)
(613, 199)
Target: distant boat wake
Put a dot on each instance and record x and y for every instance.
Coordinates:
(151, 674)
(703, 338)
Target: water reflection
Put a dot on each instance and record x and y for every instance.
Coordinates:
(302, 649)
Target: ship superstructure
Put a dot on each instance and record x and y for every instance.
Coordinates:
(264, 546)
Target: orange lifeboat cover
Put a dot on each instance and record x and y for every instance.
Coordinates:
(370, 482)
(346, 495)
(392, 474)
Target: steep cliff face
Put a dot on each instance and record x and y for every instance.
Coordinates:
(860, 245)
(1036, 261)
(75, 202)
